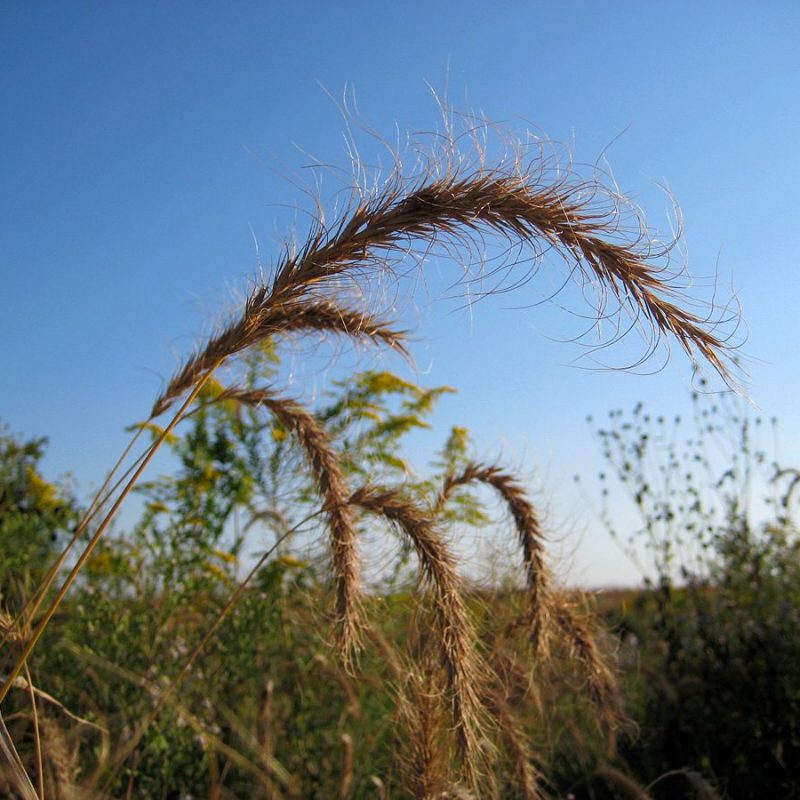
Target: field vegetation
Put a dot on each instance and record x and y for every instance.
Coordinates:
(178, 659)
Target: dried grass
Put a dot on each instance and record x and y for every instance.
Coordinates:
(453, 204)
(457, 642)
(423, 714)
(334, 492)
(346, 781)
(580, 633)
(531, 540)
(527, 777)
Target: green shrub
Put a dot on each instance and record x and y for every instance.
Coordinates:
(717, 638)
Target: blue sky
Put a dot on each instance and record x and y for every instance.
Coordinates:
(146, 147)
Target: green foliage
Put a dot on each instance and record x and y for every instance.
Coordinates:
(710, 650)
(34, 513)
(148, 596)
(716, 642)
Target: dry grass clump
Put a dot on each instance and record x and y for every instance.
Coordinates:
(456, 639)
(531, 540)
(579, 631)
(453, 204)
(549, 610)
(526, 777)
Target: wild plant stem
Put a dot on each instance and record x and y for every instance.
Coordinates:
(37, 737)
(87, 552)
(97, 503)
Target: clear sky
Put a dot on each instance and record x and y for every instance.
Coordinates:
(145, 148)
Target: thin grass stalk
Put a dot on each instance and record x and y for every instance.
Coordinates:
(214, 787)
(19, 776)
(530, 537)
(25, 685)
(37, 738)
(458, 650)
(527, 777)
(131, 782)
(87, 552)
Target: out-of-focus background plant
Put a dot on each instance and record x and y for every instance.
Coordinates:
(711, 645)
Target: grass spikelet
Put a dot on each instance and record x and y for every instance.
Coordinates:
(580, 636)
(421, 715)
(334, 491)
(456, 206)
(531, 540)
(421, 710)
(463, 665)
(256, 325)
(326, 316)
(527, 777)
